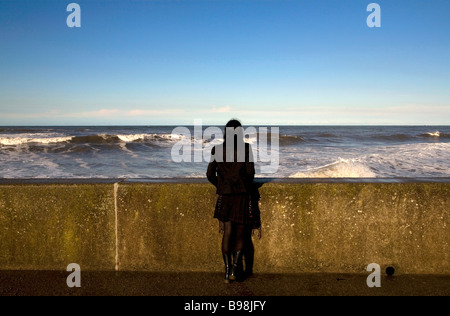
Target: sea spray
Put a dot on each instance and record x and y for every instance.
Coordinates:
(342, 168)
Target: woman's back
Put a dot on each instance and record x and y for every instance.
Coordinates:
(233, 177)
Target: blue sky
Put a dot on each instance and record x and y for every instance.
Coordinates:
(266, 62)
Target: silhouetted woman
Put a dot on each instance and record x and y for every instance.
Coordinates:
(232, 171)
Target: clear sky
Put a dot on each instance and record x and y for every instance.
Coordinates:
(265, 62)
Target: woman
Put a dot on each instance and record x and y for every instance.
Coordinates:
(232, 171)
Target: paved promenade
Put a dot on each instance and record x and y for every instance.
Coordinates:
(19, 283)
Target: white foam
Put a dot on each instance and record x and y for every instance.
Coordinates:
(135, 137)
(435, 134)
(14, 141)
(407, 160)
(131, 138)
(343, 168)
(413, 160)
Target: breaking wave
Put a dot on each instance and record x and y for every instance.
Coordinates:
(342, 168)
(89, 139)
(14, 141)
(436, 135)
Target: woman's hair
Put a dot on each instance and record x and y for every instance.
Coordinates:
(233, 123)
(241, 153)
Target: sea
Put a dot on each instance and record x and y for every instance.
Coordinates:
(140, 152)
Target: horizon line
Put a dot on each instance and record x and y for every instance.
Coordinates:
(203, 124)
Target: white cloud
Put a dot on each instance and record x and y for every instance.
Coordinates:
(99, 113)
(225, 109)
(411, 114)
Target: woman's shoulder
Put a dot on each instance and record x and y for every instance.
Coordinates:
(216, 148)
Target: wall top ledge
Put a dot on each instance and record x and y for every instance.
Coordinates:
(202, 181)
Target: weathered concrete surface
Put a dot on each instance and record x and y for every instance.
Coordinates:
(194, 284)
(344, 227)
(308, 226)
(49, 226)
(167, 227)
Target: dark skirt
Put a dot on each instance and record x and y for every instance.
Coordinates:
(238, 208)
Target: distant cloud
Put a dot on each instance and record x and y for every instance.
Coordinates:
(402, 114)
(105, 113)
(153, 112)
(225, 109)
(99, 113)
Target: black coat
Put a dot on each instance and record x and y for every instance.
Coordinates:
(232, 177)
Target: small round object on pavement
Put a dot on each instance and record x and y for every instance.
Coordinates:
(390, 271)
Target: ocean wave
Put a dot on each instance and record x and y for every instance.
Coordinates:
(288, 140)
(95, 139)
(436, 134)
(412, 160)
(88, 139)
(16, 130)
(393, 137)
(126, 138)
(131, 138)
(342, 168)
(406, 137)
(14, 141)
(327, 135)
(151, 139)
(158, 139)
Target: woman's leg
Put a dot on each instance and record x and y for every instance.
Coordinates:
(226, 249)
(240, 237)
(239, 233)
(249, 251)
(227, 241)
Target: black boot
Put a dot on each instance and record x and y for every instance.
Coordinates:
(249, 258)
(236, 263)
(227, 262)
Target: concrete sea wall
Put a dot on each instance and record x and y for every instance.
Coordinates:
(308, 226)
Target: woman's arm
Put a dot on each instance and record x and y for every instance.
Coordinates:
(249, 168)
(211, 173)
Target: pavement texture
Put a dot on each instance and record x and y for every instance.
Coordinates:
(53, 283)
